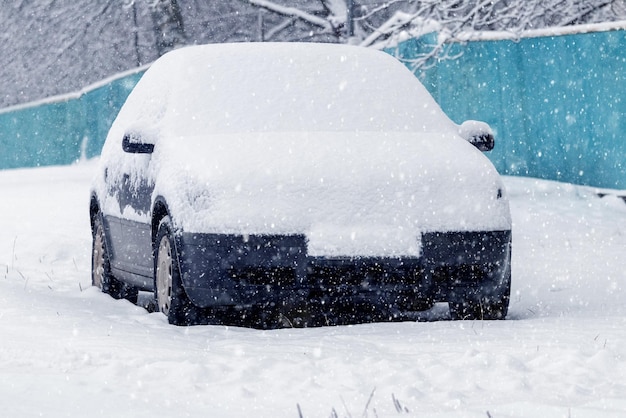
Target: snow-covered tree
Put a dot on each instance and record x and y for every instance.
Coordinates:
(375, 21)
(54, 46)
(381, 23)
(168, 25)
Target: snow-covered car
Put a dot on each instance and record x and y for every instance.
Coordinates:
(298, 180)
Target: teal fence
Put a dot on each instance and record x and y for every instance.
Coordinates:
(64, 129)
(557, 103)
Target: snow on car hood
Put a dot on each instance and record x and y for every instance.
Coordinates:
(351, 194)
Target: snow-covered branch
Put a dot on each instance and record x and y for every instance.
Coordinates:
(290, 11)
(402, 21)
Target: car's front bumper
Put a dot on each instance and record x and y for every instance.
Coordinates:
(238, 270)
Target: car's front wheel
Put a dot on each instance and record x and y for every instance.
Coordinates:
(101, 275)
(170, 295)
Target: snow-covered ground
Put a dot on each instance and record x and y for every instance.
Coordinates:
(67, 350)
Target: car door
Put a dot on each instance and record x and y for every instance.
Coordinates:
(131, 189)
(129, 147)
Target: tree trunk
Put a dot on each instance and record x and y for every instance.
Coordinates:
(168, 25)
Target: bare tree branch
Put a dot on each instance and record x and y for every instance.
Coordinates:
(290, 11)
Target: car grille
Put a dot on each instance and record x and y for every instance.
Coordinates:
(359, 274)
(264, 276)
(325, 275)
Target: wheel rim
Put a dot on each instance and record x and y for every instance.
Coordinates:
(97, 262)
(164, 275)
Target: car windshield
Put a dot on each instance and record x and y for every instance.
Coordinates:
(280, 88)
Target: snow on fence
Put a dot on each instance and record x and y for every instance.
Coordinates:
(555, 98)
(63, 129)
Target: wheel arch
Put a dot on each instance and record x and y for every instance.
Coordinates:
(94, 209)
(159, 211)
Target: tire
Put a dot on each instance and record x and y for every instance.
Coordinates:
(101, 276)
(492, 307)
(170, 296)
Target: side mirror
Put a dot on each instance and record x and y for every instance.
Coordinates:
(478, 134)
(133, 144)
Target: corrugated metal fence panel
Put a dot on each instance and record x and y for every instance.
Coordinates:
(557, 103)
(63, 130)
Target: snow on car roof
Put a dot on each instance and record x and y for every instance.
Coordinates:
(272, 87)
